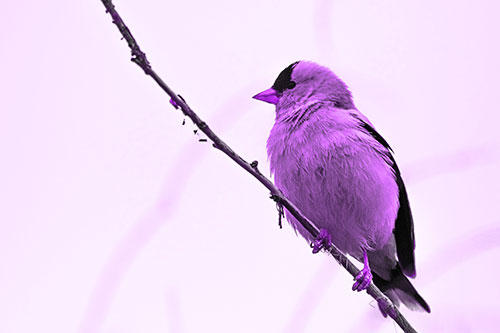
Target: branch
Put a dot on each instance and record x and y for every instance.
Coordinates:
(140, 59)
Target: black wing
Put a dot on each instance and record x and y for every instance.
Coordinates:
(403, 231)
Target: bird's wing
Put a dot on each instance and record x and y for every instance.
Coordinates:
(403, 230)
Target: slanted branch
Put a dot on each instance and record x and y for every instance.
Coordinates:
(141, 60)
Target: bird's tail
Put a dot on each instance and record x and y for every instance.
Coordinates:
(399, 289)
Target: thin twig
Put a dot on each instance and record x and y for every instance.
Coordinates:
(140, 59)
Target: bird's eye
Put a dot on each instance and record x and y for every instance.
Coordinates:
(291, 85)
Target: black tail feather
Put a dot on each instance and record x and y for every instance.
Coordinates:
(399, 289)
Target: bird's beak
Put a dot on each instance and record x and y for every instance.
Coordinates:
(270, 96)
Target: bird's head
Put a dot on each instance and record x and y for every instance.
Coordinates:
(303, 82)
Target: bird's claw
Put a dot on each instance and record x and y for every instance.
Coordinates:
(363, 279)
(324, 240)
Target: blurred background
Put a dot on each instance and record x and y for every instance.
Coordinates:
(115, 218)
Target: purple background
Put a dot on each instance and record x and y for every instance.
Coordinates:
(114, 218)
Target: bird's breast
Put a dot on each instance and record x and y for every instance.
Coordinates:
(338, 180)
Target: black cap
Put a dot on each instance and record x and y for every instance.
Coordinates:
(284, 80)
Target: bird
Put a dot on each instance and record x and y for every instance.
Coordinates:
(328, 159)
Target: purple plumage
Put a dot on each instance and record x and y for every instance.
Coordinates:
(328, 159)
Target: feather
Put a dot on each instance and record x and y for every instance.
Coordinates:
(403, 230)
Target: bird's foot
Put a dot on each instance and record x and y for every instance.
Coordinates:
(364, 276)
(363, 279)
(324, 240)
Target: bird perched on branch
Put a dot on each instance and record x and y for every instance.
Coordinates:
(329, 160)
